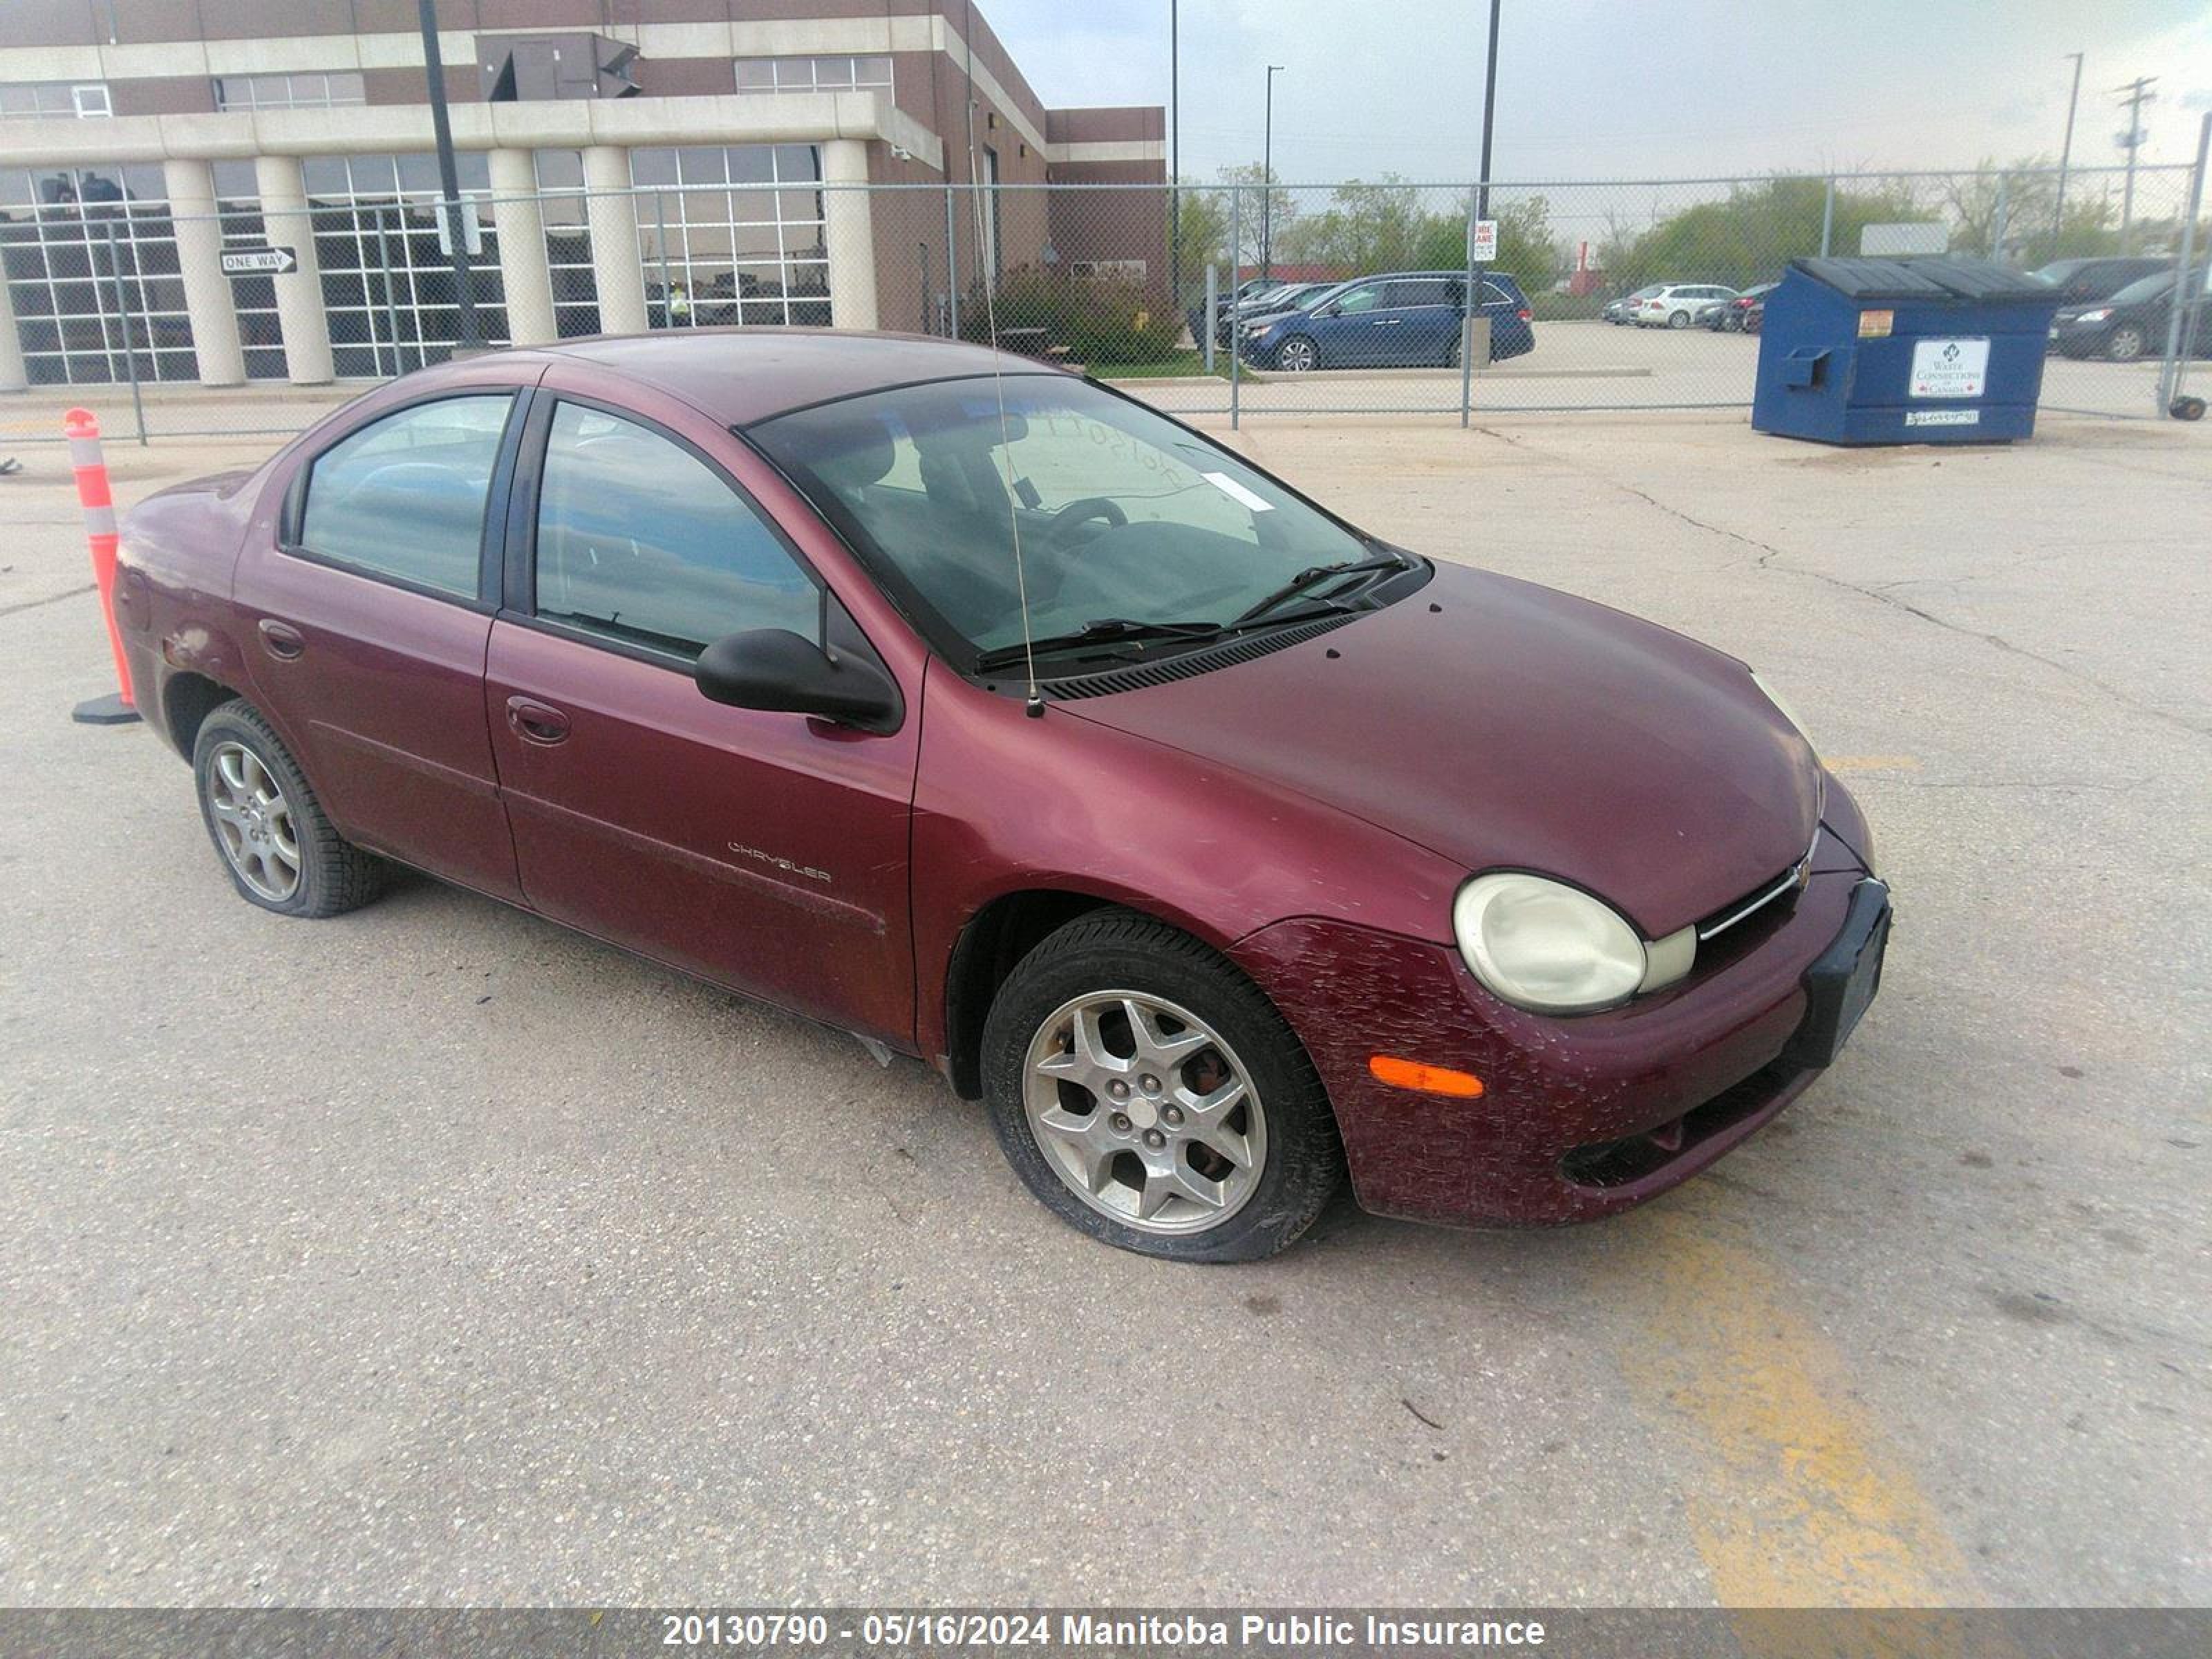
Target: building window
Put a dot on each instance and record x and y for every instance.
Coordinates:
(731, 235)
(261, 335)
(90, 255)
(814, 74)
(339, 88)
(54, 98)
(568, 243)
(387, 283)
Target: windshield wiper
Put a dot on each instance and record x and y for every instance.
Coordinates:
(1106, 630)
(1313, 576)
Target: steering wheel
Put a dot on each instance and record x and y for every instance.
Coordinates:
(1081, 512)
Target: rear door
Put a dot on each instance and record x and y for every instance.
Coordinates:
(372, 608)
(1420, 319)
(765, 851)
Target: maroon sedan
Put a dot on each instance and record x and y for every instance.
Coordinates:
(1294, 854)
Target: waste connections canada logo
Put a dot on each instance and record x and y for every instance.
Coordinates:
(1280, 1632)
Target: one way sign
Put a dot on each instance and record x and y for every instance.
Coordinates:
(259, 262)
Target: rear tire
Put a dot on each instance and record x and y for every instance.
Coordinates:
(1679, 320)
(1126, 1065)
(276, 844)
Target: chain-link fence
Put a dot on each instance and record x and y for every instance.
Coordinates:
(1230, 299)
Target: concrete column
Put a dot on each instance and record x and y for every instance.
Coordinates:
(299, 295)
(13, 375)
(615, 265)
(848, 232)
(522, 269)
(209, 302)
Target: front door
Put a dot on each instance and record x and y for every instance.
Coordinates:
(765, 851)
(1349, 335)
(372, 606)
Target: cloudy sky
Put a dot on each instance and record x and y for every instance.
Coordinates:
(1613, 89)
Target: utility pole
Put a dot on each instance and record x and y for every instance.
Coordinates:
(2135, 94)
(1489, 108)
(1175, 155)
(449, 179)
(2065, 155)
(1267, 176)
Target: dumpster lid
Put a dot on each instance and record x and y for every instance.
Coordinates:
(1930, 277)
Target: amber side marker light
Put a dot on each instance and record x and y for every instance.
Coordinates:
(1429, 1080)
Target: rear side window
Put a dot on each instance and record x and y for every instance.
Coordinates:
(1422, 291)
(404, 496)
(642, 542)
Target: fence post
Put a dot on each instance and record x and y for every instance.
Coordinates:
(1206, 316)
(97, 497)
(1997, 219)
(2187, 295)
(1471, 309)
(1828, 215)
(1236, 264)
(129, 351)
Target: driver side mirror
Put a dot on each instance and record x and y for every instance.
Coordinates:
(776, 670)
(1331, 309)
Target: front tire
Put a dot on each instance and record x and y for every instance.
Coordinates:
(1149, 1095)
(276, 843)
(1298, 355)
(2125, 344)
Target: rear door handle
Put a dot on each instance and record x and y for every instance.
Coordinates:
(282, 640)
(537, 722)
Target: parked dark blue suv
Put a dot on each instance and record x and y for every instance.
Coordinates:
(1398, 319)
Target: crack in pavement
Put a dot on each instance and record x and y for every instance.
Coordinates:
(1876, 592)
(51, 598)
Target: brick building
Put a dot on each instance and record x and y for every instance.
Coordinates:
(720, 152)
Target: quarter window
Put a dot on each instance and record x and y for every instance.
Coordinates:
(642, 542)
(404, 496)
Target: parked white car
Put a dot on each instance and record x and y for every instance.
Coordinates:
(1678, 304)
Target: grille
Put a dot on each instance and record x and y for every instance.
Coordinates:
(1782, 891)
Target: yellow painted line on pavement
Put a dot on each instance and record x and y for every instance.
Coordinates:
(1795, 1500)
(1871, 763)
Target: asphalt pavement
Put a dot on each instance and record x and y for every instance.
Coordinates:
(436, 1254)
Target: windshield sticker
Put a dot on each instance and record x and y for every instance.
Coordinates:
(1236, 492)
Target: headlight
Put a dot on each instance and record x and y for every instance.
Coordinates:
(1254, 331)
(2094, 316)
(1543, 945)
(1784, 710)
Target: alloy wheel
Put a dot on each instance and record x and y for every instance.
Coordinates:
(253, 822)
(2126, 343)
(1298, 356)
(1144, 1112)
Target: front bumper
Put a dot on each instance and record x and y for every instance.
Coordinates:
(1580, 1117)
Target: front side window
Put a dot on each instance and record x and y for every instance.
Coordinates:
(1354, 301)
(641, 542)
(1122, 515)
(404, 496)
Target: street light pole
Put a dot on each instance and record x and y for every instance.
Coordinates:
(1267, 176)
(1175, 154)
(1489, 107)
(2135, 94)
(2065, 155)
(449, 177)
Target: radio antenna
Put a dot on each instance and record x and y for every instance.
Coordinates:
(987, 260)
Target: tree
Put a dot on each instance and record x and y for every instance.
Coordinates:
(1755, 231)
(1391, 225)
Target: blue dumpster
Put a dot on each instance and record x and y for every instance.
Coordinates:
(1937, 349)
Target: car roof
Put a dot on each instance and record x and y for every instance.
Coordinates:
(747, 373)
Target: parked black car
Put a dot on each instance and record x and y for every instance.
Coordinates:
(1727, 317)
(2132, 323)
(2084, 281)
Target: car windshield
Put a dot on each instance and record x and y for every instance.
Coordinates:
(2142, 288)
(1123, 515)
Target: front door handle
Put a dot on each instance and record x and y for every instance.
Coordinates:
(537, 722)
(282, 640)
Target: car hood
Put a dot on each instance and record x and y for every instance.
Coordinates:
(1500, 724)
(1269, 318)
